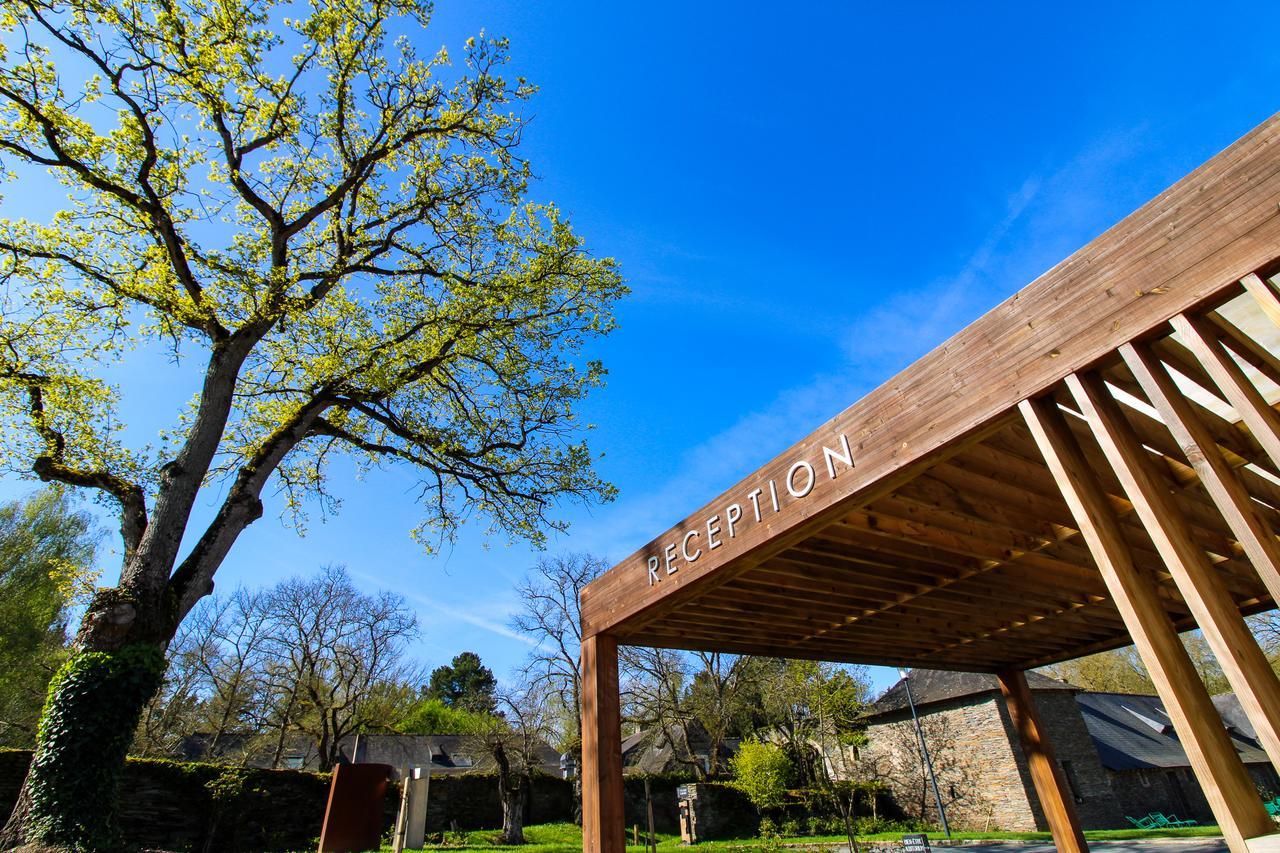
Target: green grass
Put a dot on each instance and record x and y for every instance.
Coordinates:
(567, 838)
(543, 838)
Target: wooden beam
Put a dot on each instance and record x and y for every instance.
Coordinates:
(1261, 419)
(1226, 784)
(1219, 478)
(1247, 347)
(1055, 797)
(1267, 299)
(1233, 645)
(603, 821)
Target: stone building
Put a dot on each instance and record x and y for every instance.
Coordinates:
(681, 748)
(1149, 769)
(982, 774)
(1118, 753)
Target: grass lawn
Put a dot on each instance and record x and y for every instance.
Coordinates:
(567, 838)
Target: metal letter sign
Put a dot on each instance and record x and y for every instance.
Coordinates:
(916, 843)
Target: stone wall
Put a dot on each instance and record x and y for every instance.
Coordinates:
(662, 790)
(168, 805)
(1088, 782)
(978, 775)
(722, 811)
(1175, 791)
(470, 801)
(1171, 791)
(982, 772)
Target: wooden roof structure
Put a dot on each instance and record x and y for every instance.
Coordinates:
(1093, 463)
(947, 543)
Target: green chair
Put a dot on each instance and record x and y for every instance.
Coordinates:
(1141, 822)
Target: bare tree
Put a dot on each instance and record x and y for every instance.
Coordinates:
(232, 665)
(654, 694)
(894, 758)
(171, 713)
(552, 615)
(512, 741)
(343, 652)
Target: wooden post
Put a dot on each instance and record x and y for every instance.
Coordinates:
(1236, 805)
(1055, 798)
(603, 822)
(1215, 612)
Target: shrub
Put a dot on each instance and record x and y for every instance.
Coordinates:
(761, 771)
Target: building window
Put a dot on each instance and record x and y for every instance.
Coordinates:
(1069, 772)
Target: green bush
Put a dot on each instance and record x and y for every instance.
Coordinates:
(761, 771)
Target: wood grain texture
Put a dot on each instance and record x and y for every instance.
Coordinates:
(1226, 784)
(1233, 645)
(1185, 247)
(1051, 788)
(1266, 297)
(603, 820)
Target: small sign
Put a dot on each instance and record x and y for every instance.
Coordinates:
(684, 792)
(916, 843)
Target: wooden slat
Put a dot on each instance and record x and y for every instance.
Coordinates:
(1222, 776)
(1228, 435)
(1233, 645)
(658, 637)
(1222, 482)
(1056, 801)
(1246, 347)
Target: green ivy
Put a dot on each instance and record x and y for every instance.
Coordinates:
(94, 704)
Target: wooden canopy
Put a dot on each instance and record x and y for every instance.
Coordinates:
(1095, 462)
(947, 543)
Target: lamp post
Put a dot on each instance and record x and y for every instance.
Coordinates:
(924, 751)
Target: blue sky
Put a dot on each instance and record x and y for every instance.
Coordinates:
(804, 199)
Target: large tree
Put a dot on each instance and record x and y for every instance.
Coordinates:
(335, 236)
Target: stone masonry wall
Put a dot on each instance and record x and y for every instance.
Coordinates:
(978, 775)
(982, 771)
(1088, 781)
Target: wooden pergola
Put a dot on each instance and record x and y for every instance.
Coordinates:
(1095, 462)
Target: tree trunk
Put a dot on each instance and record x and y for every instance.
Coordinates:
(511, 791)
(513, 808)
(68, 800)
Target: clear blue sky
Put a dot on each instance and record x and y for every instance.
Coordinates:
(804, 199)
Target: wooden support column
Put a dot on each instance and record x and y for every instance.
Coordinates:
(1236, 805)
(1215, 612)
(1261, 419)
(1051, 788)
(603, 829)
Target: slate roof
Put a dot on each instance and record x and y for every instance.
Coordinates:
(649, 751)
(934, 685)
(1133, 732)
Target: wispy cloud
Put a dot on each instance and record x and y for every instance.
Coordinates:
(490, 615)
(1045, 218)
